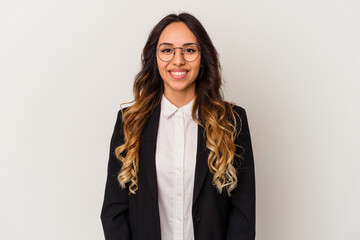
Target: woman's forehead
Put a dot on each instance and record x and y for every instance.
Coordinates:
(177, 33)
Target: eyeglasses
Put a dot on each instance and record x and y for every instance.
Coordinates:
(166, 52)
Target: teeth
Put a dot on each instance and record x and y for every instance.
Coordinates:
(178, 73)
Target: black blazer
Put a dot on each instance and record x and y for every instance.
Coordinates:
(215, 216)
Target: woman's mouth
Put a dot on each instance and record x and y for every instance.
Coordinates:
(178, 74)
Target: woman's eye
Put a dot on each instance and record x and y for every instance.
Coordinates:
(166, 50)
(190, 50)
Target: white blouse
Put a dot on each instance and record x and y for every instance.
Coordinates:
(175, 168)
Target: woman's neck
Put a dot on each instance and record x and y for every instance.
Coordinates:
(180, 100)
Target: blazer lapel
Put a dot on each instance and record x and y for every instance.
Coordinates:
(201, 167)
(148, 150)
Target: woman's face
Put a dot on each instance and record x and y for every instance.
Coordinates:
(178, 75)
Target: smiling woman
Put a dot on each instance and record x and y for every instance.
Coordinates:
(181, 164)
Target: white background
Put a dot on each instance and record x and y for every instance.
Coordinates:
(65, 67)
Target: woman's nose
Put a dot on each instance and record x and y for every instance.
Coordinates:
(178, 58)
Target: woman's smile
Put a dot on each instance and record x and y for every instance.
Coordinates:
(178, 73)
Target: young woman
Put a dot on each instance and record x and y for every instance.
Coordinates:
(181, 163)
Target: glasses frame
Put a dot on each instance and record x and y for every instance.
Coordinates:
(182, 51)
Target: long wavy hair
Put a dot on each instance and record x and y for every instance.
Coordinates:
(215, 115)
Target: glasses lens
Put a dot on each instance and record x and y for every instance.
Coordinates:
(191, 53)
(166, 52)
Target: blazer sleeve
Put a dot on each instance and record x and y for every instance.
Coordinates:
(115, 209)
(242, 216)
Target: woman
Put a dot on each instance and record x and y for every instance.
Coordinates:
(181, 163)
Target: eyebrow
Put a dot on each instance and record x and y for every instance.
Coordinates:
(185, 44)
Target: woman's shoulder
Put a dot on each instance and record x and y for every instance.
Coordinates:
(119, 120)
(237, 108)
(120, 113)
(241, 117)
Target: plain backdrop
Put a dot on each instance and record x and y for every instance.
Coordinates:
(65, 67)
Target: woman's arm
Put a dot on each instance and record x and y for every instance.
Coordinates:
(114, 214)
(242, 216)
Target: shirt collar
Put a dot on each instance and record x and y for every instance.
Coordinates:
(168, 109)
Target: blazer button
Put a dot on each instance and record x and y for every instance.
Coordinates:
(197, 218)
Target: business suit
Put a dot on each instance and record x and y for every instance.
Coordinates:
(215, 216)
